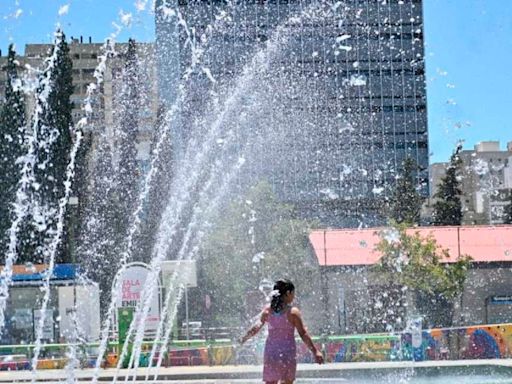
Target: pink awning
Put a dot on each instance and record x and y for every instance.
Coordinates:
(357, 247)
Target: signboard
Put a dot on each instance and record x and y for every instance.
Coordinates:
(37, 272)
(87, 311)
(130, 282)
(48, 324)
(500, 299)
(499, 309)
(182, 272)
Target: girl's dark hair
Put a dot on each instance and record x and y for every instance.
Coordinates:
(281, 286)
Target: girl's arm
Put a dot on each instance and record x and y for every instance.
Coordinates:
(256, 327)
(296, 319)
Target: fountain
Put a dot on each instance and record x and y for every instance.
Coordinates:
(287, 118)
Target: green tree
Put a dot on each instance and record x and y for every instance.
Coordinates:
(12, 123)
(405, 204)
(419, 264)
(54, 128)
(58, 118)
(257, 239)
(127, 175)
(448, 206)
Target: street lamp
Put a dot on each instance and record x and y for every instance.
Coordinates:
(73, 203)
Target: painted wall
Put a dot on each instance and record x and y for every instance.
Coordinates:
(478, 342)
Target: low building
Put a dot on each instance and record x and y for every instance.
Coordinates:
(23, 311)
(356, 297)
(85, 57)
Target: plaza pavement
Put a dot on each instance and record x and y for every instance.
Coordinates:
(252, 373)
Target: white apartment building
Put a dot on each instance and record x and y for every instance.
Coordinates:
(486, 182)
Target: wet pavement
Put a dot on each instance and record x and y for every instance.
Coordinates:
(459, 372)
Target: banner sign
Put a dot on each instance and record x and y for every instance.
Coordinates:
(131, 282)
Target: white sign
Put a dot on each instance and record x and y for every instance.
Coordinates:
(179, 272)
(131, 282)
(48, 324)
(87, 312)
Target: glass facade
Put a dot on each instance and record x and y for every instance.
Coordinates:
(347, 90)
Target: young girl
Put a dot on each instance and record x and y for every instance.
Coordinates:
(279, 362)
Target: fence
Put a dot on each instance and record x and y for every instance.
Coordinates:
(477, 342)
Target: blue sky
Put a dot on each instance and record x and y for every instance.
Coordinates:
(84, 17)
(468, 52)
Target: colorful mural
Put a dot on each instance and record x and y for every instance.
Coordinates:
(353, 349)
(222, 355)
(213, 355)
(477, 342)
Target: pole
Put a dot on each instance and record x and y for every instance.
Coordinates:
(325, 288)
(73, 202)
(186, 313)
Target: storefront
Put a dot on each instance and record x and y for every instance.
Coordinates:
(24, 302)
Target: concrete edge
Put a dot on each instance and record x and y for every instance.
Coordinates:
(332, 370)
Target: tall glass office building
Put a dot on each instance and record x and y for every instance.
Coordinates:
(343, 91)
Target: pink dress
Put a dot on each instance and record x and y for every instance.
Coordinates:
(279, 361)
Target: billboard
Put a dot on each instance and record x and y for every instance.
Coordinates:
(179, 272)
